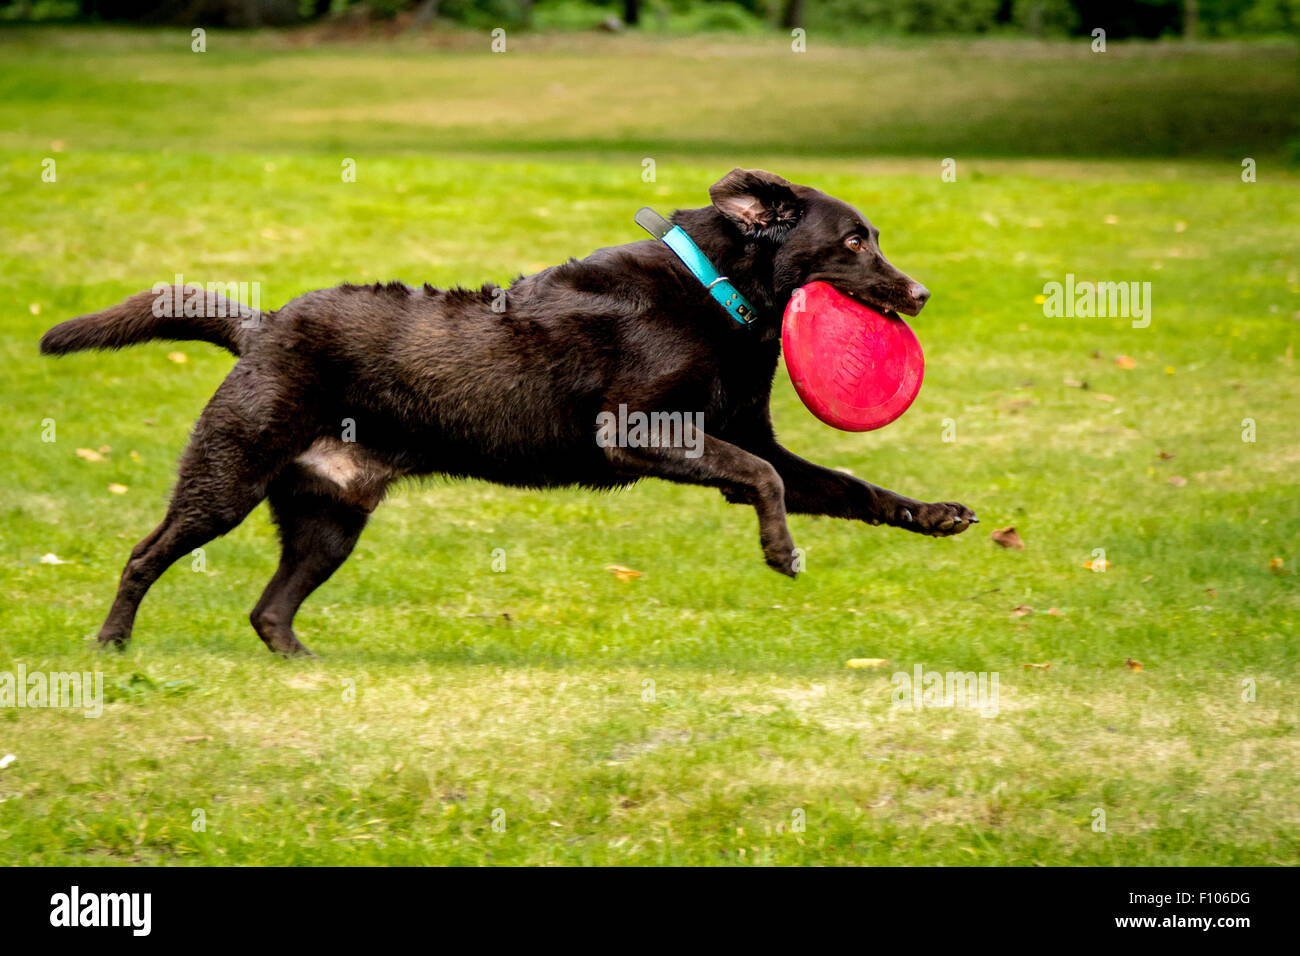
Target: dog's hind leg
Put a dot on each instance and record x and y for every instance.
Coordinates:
(224, 473)
(317, 533)
(194, 517)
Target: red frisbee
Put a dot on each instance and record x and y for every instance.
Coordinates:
(854, 368)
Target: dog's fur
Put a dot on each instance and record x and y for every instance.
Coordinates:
(439, 381)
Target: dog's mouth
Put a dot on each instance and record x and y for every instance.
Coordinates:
(880, 307)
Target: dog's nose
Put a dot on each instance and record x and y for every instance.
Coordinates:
(919, 293)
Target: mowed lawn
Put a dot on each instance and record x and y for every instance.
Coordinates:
(546, 711)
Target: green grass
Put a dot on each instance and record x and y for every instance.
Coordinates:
(634, 96)
(447, 691)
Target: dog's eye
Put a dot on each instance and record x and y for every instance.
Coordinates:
(854, 243)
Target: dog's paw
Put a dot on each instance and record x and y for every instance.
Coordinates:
(782, 560)
(112, 641)
(940, 519)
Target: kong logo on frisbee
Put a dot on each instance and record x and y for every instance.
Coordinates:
(856, 369)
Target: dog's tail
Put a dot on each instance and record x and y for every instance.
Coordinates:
(173, 312)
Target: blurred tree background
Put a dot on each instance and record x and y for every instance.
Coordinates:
(1120, 18)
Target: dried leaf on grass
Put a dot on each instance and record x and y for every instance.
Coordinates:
(1008, 538)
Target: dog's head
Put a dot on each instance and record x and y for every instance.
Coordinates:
(815, 237)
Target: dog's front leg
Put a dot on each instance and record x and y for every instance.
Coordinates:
(741, 476)
(812, 489)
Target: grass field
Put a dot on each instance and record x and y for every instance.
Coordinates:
(703, 712)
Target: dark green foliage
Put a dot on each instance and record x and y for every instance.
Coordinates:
(1120, 18)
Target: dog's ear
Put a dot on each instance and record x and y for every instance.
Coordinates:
(762, 204)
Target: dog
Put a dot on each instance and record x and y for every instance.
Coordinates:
(343, 391)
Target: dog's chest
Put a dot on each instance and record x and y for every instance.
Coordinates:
(742, 383)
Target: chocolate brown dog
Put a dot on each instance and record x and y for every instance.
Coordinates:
(343, 391)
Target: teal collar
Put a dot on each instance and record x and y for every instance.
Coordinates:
(718, 286)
